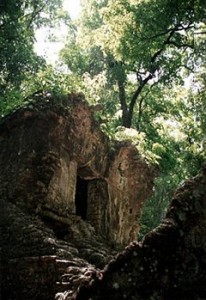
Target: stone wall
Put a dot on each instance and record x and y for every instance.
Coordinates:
(127, 182)
(46, 147)
(67, 200)
(169, 263)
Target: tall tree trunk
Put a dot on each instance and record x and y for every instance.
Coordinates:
(123, 103)
(134, 99)
(151, 71)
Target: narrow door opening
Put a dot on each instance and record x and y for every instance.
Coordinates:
(81, 197)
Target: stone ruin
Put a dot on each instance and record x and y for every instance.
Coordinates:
(169, 263)
(63, 184)
(70, 201)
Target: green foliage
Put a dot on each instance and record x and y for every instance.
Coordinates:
(131, 59)
(180, 139)
(155, 207)
(18, 19)
(146, 50)
(45, 81)
(21, 70)
(51, 80)
(148, 41)
(10, 101)
(139, 140)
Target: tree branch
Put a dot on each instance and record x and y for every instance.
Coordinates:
(123, 103)
(180, 45)
(200, 32)
(154, 67)
(33, 14)
(177, 28)
(186, 67)
(134, 98)
(140, 112)
(152, 70)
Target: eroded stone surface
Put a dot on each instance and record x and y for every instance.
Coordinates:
(128, 181)
(47, 149)
(52, 249)
(170, 262)
(67, 200)
(36, 264)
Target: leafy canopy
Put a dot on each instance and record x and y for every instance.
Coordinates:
(18, 22)
(132, 59)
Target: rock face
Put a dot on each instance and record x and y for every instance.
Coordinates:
(67, 198)
(170, 262)
(56, 162)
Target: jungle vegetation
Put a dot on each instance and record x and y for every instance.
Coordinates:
(141, 65)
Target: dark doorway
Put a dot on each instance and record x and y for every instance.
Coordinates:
(81, 198)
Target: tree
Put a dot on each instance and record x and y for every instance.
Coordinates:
(131, 58)
(146, 51)
(21, 70)
(18, 21)
(150, 42)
